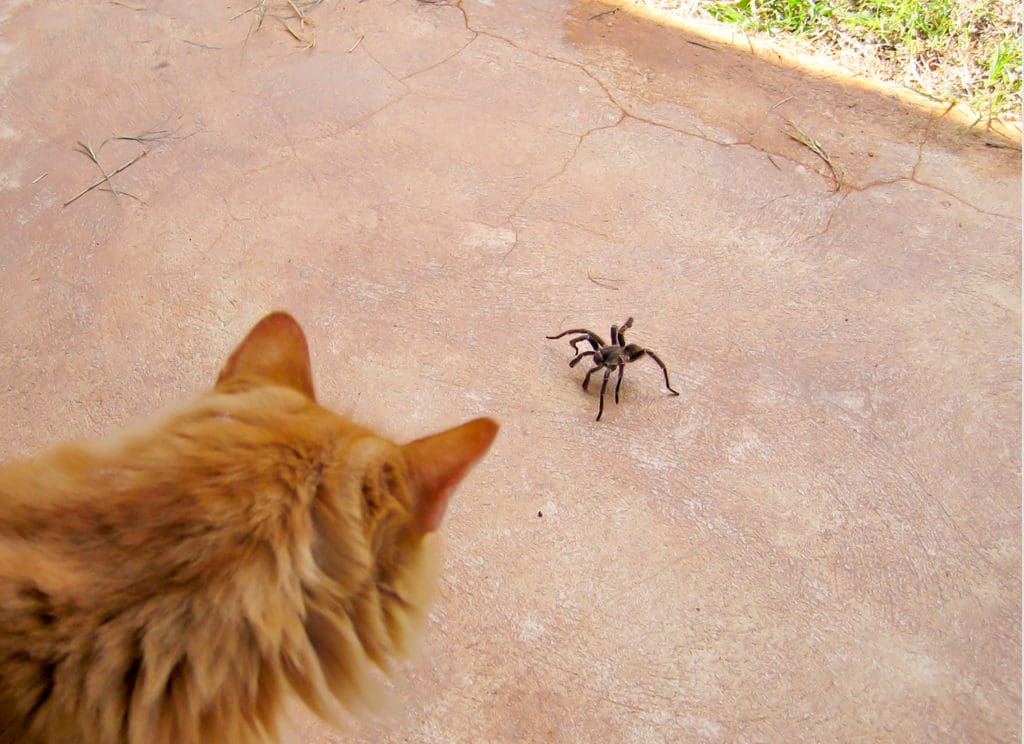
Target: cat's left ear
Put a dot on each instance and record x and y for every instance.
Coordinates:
(275, 350)
(438, 463)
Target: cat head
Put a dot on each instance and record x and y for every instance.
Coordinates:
(276, 352)
(376, 507)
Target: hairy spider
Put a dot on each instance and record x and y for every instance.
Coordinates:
(609, 356)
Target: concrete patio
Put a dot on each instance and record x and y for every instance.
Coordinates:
(818, 540)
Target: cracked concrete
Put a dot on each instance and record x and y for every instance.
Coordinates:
(819, 540)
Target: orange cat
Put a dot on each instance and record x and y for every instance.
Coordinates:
(176, 584)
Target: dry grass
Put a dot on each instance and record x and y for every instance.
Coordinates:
(958, 51)
(293, 17)
(796, 134)
(106, 179)
(143, 138)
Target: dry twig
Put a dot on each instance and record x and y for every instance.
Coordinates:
(201, 46)
(603, 281)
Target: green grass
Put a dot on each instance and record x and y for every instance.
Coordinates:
(964, 51)
(1000, 90)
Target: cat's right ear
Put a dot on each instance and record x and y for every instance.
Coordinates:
(275, 350)
(437, 464)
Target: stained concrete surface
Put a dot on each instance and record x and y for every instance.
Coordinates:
(819, 540)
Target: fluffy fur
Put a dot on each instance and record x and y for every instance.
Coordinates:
(178, 583)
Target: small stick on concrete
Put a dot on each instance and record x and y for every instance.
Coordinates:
(602, 15)
(798, 135)
(37, 179)
(603, 281)
(353, 47)
(106, 179)
(197, 44)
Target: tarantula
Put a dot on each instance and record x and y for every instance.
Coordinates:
(609, 356)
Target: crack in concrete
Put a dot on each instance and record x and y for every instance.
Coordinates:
(561, 171)
(363, 118)
(565, 166)
(915, 179)
(881, 183)
(625, 112)
(525, 122)
(454, 54)
(828, 221)
(373, 58)
(366, 117)
(960, 199)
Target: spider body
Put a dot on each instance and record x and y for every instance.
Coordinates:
(609, 357)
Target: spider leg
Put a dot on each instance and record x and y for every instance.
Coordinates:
(589, 335)
(604, 384)
(591, 339)
(622, 368)
(566, 333)
(576, 359)
(622, 332)
(664, 369)
(586, 380)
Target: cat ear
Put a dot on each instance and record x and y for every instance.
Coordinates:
(437, 464)
(275, 350)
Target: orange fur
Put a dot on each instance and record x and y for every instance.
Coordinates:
(178, 583)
